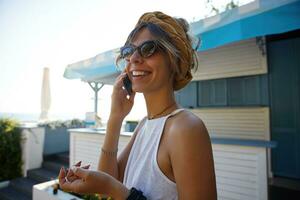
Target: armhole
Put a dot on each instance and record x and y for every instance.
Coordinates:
(135, 135)
(155, 159)
(160, 172)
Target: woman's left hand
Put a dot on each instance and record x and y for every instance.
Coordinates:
(84, 181)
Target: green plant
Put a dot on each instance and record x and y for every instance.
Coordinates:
(74, 123)
(10, 149)
(82, 196)
(90, 197)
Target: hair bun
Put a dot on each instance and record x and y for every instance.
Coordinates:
(194, 40)
(183, 23)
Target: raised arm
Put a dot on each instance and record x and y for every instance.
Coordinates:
(120, 107)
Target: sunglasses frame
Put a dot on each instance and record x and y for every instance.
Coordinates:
(139, 49)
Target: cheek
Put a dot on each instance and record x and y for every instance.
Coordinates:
(168, 69)
(166, 74)
(161, 67)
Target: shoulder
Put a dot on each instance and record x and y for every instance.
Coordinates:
(186, 131)
(184, 123)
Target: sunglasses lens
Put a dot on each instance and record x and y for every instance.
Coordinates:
(127, 51)
(147, 49)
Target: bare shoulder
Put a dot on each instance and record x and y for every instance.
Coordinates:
(184, 123)
(186, 130)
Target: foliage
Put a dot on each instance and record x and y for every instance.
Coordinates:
(214, 10)
(74, 123)
(10, 149)
(90, 197)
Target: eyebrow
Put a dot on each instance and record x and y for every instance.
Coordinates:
(131, 44)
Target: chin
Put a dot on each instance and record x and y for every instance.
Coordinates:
(139, 89)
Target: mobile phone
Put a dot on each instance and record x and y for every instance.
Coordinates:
(128, 85)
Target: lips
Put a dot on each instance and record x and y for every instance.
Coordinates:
(139, 73)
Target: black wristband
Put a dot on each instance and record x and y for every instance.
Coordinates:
(136, 195)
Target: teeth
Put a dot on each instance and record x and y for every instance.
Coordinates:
(138, 73)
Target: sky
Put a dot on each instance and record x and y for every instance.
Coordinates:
(54, 33)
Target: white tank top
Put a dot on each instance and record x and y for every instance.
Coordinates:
(142, 170)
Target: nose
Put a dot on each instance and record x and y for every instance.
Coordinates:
(136, 58)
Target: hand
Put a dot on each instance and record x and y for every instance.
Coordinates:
(70, 176)
(120, 104)
(85, 181)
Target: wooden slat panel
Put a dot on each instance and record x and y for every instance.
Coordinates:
(240, 183)
(248, 192)
(237, 59)
(224, 195)
(86, 147)
(235, 176)
(241, 123)
(229, 167)
(240, 172)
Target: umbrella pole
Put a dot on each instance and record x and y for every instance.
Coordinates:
(96, 87)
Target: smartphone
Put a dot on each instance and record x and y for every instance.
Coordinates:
(128, 85)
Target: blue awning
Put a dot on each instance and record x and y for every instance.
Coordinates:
(100, 68)
(258, 18)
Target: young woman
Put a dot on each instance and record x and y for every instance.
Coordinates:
(169, 155)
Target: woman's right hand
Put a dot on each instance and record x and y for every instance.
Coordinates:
(120, 104)
(84, 181)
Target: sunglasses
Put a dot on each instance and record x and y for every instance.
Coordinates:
(145, 50)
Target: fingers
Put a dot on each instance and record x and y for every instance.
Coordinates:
(86, 167)
(61, 176)
(71, 176)
(120, 89)
(71, 179)
(70, 173)
(119, 80)
(78, 164)
(65, 182)
(81, 172)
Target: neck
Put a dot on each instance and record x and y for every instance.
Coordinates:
(160, 103)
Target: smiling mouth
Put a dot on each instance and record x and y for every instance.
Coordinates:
(139, 73)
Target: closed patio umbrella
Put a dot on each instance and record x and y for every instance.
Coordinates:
(45, 95)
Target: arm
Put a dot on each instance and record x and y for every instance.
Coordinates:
(123, 157)
(108, 163)
(120, 107)
(192, 160)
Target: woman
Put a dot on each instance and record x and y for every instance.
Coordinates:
(169, 155)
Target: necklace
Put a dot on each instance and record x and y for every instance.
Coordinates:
(153, 116)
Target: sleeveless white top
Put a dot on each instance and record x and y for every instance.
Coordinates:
(142, 170)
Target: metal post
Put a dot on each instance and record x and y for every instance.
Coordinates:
(96, 87)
